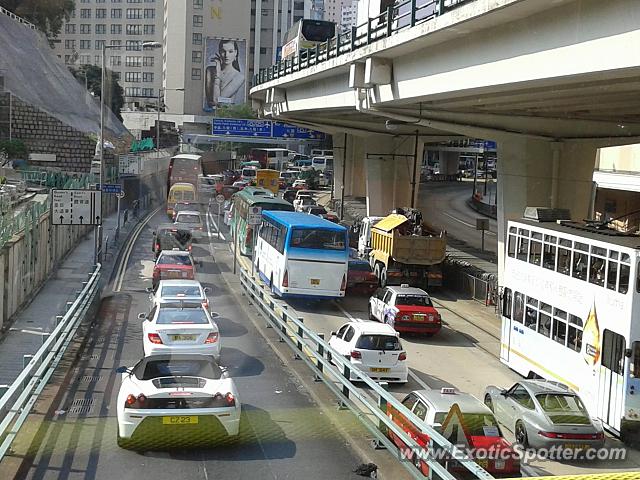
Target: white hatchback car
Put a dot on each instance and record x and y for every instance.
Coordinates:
(179, 290)
(176, 400)
(373, 348)
(179, 327)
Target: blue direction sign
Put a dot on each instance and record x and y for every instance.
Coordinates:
(284, 130)
(239, 127)
(111, 188)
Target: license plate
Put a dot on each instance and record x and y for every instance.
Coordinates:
(418, 317)
(483, 463)
(183, 338)
(180, 420)
(380, 370)
(315, 281)
(574, 446)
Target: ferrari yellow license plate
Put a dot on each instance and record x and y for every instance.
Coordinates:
(183, 338)
(380, 370)
(315, 281)
(574, 446)
(180, 420)
(483, 463)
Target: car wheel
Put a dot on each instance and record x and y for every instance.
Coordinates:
(376, 271)
(488, 402)
(521, 434)
(383, 277)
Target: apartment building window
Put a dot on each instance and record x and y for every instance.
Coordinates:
(101, 13)
(149, 29)
(85, 13)
(197, 4)
(99, 44)
(149, 1)
(116, 29)
(147, 77)
(134, 1)
(67, 59)
(99, 1)
(115, 61)
(149, 13)
(132, 91)
(134, 29)
(196, 39)
(70, 44)
(85, 44)
(197, 20)
(97, 60)
(132, 45)
(117, 43)
(196, 57)
(196, 74)
(85, 59)
(85, 1)
(85, 28)
(133, 61)
(101, 29)
(116, 13)
(148, 92)
(70, 28)
(134, 13)
(116, 1)
(148, 61)
(133, 77)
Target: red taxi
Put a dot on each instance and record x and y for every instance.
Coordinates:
(407, 309)
(465, 422)
(173, 264)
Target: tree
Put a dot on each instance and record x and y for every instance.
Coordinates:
(47, 15)
(92, 75)
(235, 111)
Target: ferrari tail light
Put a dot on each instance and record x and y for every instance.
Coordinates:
(285, 279)
(155, 338)
(142, 398)
(212, 338)
(356, 354)
(231, 399)
(402, 356)
(131, 400)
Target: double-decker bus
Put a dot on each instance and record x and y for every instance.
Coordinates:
(302, 255)
(306, 33)
(242, 201)
(185, 168)
(570, 295)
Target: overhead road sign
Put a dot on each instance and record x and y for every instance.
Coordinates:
(111, 188)
(284, 130)
(76, 207)
(238, 127)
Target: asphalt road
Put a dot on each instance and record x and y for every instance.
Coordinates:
(283, 433)
(445, 205)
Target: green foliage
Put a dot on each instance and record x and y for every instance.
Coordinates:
(92, 75)
(312, 177)
(236, 111)
(47, 15)
(13, 149)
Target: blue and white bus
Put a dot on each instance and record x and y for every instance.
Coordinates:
(302, 255)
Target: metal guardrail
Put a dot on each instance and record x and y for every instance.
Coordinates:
(20, 397)
(400, 16)
(17, 18)
(335, 371)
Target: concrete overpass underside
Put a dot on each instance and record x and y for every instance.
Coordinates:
(550, 80)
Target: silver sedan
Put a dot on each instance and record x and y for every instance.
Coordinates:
(545, 414)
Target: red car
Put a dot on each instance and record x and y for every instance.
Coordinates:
(360, 277)
(462, 419)
(407, 309)
(173, 264)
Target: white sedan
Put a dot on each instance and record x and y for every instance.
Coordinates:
(177, 290)
(180, 327)
(374, 348)
(176, 400)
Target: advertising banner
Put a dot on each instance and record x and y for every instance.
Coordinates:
(225, 72)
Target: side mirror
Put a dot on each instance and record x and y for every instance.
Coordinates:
(122, 370)
(333, 334)
(504, 393)
(214, 314)
(142, 316)
(149, 289)
(207, 290)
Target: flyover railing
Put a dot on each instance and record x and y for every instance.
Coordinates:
(19, 398)
(370, 407)
(398, 17)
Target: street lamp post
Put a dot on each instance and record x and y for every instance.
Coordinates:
(99, 240)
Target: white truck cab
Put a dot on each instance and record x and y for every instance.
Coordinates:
(364, 237)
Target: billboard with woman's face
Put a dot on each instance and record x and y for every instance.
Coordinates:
(225, 72)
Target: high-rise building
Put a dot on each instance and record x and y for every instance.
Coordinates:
(349, 14)
(314, 9)
(127, 23)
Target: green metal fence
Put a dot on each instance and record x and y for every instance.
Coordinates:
(26, 220)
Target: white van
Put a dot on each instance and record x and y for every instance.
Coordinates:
(322, 163)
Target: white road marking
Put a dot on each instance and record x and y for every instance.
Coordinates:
(215, 225)
(489, 232)
(349, 316)
(125, 260)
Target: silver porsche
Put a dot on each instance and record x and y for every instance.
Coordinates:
(545, 414)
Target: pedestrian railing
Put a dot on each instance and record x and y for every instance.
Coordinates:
(398, 17)
(370, 407)
(18, 399)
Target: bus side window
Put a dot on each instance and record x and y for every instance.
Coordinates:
(580, 261)
(612, 271)
(518, 307)
(574, 333)
(507, 300)
(564, 257)
(549, 253)
(623, 285)
(635, 360)
(560, 326)
(523, 245)
(512, 246)
(535, 248)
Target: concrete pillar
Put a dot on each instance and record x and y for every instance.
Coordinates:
(538, 173)
(449, 162)
(340, 155)
(358, 186)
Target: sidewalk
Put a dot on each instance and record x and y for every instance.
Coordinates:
(25, 336)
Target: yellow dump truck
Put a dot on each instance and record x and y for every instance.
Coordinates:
(404, 249)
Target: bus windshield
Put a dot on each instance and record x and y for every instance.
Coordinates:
(317, 239)
(318, 31)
